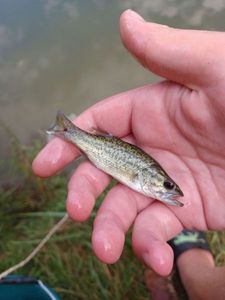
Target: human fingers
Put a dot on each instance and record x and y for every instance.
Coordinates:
(189, 57)
(113, 219)
(86, 184)
(153, 227)
(111, 115)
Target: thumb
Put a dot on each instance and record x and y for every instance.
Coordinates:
(190, 57)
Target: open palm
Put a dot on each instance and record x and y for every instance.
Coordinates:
(180, 122)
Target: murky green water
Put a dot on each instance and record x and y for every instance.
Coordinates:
(67, 54)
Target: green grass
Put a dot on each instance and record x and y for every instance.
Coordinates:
(31, 207)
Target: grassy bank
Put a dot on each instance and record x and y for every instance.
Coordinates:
(29, 208)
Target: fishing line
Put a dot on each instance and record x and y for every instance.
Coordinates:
(37, 249)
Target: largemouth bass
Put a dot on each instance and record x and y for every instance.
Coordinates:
(125, 162)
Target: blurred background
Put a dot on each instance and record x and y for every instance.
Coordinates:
(67, 54)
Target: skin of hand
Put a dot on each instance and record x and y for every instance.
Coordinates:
(179, 121)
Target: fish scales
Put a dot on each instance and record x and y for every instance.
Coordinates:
(110, 152)
(125, 162)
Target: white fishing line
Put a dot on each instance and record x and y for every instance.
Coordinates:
(37, 249)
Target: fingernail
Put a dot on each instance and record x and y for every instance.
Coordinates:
(146, 258)
(133, 15)
(130, 18)
(103, 241)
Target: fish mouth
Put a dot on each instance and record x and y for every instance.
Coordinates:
(170, 198)
(178, 192)
(174, 193)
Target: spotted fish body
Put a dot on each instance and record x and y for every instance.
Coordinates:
(125, 162)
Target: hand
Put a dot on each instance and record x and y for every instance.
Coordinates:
(180, 122)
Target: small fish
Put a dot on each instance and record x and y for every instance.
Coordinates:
(125, 162)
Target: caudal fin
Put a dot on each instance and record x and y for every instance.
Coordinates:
(62, 125)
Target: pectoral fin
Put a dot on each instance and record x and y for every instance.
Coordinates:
(96, 131)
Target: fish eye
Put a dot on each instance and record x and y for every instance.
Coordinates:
(168, 185)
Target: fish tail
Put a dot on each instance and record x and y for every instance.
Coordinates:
(62, 125)
(63, 122)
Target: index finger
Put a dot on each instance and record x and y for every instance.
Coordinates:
(111, 115)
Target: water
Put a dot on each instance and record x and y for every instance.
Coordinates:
(61, 54)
